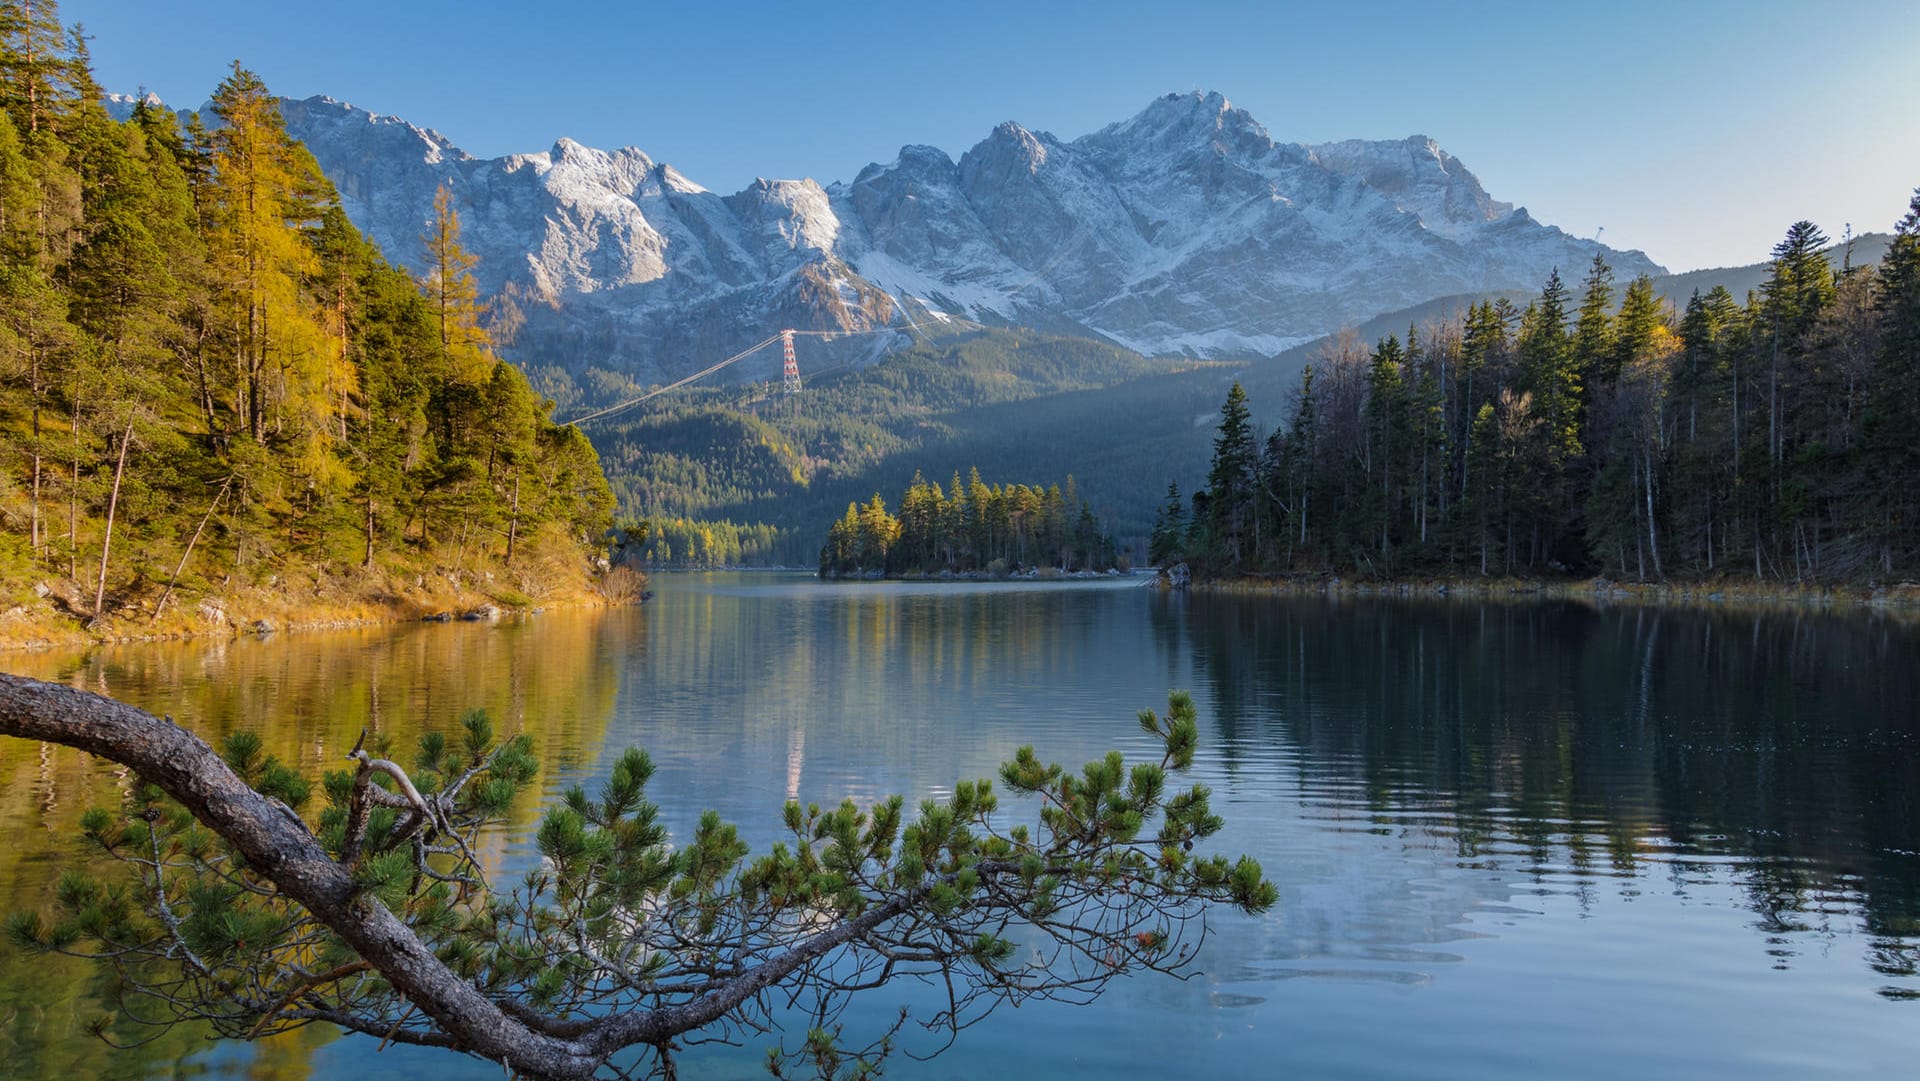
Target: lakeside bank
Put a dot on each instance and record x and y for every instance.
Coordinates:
(1900, 597)
(51, 615)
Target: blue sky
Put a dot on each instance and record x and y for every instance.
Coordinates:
(1694, 130)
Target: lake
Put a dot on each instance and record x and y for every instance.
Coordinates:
(1512, 840)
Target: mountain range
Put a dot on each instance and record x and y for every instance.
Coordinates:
(1185, 230)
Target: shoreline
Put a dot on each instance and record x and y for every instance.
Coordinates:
(330, 603)
(1901, 598)
(983, 576)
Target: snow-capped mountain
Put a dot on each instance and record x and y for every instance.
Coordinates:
(1186, 229)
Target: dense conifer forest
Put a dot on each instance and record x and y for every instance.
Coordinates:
(1773, 438)
(971, 529)
(212, 383)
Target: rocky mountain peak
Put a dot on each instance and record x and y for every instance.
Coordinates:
(1420, 178)
(1195, 118)
(1184, 229)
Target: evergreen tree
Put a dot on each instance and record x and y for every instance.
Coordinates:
(1231, 484)
(1386, 442)
(1595, 360)
(1800, 283)
(1888, 501)
(38, 72)
(1548, 372)
(1297, 466)
(1169, 529)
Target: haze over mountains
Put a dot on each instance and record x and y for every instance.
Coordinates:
(1186, 229)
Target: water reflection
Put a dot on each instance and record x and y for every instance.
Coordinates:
(1576, 747)
(308, 696)
(1513, 841)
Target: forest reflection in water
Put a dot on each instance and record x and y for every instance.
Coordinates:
(1780, 747)
(1532, 839)
(308, 697)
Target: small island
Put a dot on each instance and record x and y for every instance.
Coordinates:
(971, 530)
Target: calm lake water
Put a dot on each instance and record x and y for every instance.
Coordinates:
(1511, 840)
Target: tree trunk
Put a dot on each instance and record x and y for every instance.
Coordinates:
(113, 505)
(1653, 541)
(188, 554)
(1773, 415)
(513, 523)
(73, 502)
(34, 532)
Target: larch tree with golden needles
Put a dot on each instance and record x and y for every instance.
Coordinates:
(288, 375)
(455, 296)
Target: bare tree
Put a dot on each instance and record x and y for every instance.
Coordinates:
(618, 949)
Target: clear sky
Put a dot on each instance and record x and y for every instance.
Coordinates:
(1696, 130)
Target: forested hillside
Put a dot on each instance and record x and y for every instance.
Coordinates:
(747, 474)
(215, 388)
(1775, 439)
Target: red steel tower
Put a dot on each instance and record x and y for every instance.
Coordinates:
(792, 369)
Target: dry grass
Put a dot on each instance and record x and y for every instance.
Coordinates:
(548, 571)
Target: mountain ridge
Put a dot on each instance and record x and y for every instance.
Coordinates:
(1186, 229)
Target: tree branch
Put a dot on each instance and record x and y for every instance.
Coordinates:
(184, 767)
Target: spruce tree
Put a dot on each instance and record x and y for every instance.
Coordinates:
(1230, 484)
(1547, 370)
(1888, 501)
(1386, 413)
(1595, 359)
(1302, 461)
(1169, 529)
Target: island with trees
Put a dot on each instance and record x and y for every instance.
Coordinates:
(970, 530)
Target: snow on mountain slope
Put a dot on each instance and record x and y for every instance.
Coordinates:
(1420, 178)
(1184, 229)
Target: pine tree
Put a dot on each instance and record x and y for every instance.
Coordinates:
(189, 324)
(37, 344)
(1551, 386)
(245, 897)
(1484, 502)
(1426, 426)
(1386, 443)
(38, 72)
(1799, 284)
(1169, 529)
(1595, 360)
(1300, 464)
(1547, 370)
(1888, 501)
(1230, 484)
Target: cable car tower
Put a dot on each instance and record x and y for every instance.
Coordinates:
(790, 371)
